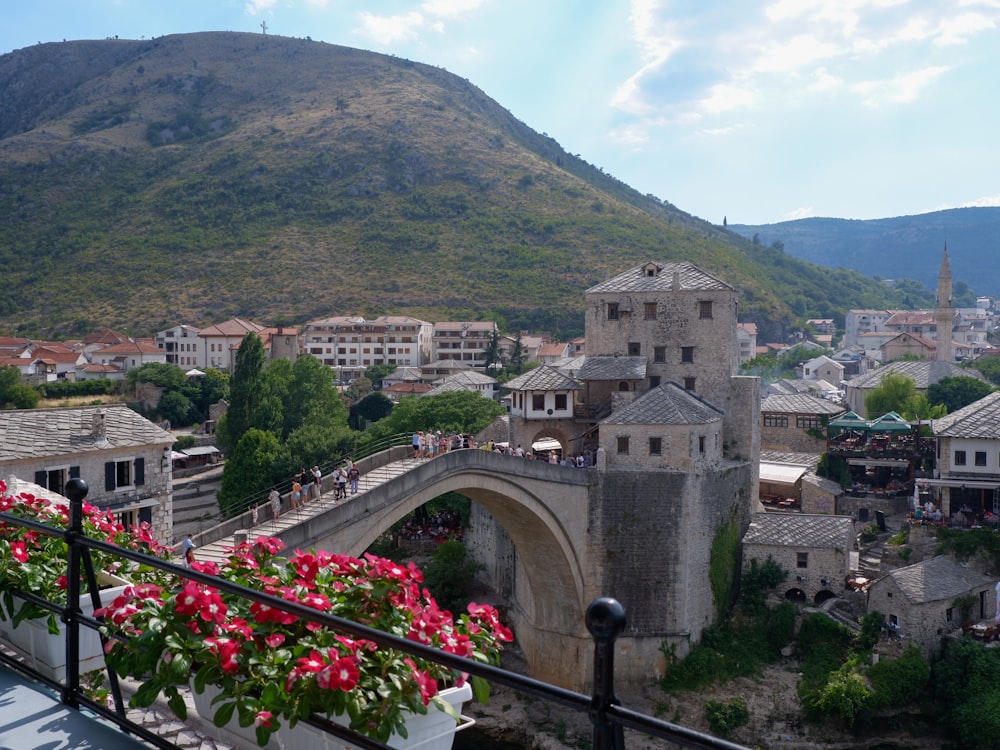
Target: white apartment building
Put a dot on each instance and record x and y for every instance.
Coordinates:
(181, 345)
(350, 344)
(463, 341)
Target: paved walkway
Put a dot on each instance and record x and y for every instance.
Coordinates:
(218, 551)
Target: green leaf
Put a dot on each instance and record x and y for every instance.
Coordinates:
(146, 694)
(224, 715)
(480, 689)
(177, 704)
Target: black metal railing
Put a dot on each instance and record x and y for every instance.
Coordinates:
(605, 620)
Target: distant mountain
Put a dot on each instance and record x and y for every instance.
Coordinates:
(903, 247)
(191, 178)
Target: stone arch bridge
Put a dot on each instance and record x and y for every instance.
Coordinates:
(578, 534)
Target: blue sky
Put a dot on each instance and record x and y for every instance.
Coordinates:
(756, 111)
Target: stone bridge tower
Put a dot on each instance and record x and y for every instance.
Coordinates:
(675, 436)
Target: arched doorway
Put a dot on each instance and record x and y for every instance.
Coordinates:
(823, 596)
(796, 595)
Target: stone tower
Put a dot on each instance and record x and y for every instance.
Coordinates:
(944, 315)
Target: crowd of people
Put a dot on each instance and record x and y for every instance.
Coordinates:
(438, 528)
(432, 443)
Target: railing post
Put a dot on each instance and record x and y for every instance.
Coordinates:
(605, 621)
(76, 490)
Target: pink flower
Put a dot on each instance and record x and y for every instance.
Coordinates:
(426, 683)
(274, 640)
(263, 719)
(341, 674)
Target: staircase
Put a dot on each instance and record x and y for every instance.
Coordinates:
(218, 551)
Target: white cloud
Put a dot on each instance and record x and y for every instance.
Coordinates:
(799, 52)
(724, 97)
(255, 7)
(450, 8)
(804, 212)
(387, 30)
(958, 30)
(902, 89)
(822, 81)
(987, 201)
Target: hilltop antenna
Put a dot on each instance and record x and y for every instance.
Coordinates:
(263, 26)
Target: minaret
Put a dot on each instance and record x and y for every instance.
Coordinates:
(943, 313)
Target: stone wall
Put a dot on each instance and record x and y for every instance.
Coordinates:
(790, 439)
(825, 569)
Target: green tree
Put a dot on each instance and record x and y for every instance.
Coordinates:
(371, 408)
(957, 391)
(245, 394)
(458, 411)
(517, 355)
(208, 389)
(492, 356)
(891, 394)
(449, 575)
(253, 466)
(375, 373)
(13, 393)
(177, 408)
(989, 367)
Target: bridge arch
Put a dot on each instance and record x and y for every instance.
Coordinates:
(543, 541)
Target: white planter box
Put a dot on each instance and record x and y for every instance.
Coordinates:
(46, 652)
(434, 730)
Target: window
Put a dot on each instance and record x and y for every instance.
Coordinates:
(634, 349)
(687, 354)
(55, 479)
(655, 446)
(654, 381)
(705, 309)
(649, 309)
(776, 420)
(623, 445)
(688, 384)
(807, 421)
(125, 473)
(561, 401)
(701, 443)
(802, 559)
(959, 458)
(949, 613)
(538, 401)
(612, 311)
(659, 354)
(980, 458)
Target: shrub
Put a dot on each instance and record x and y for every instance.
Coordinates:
(725, 716)
(897, 682)
(844, 696)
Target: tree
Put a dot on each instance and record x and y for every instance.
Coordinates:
(177, 408)
(449, 574)
(245, 393)
(989, 367)
(891, 394)
(371, 408)
(957, 391)
(492, 356)
(375, 373)
(13, 393)
(517, 355)
(458, 411)
(253, 466)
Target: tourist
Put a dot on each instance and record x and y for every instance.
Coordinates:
(353, 475)
(275, 499)
(296, 494)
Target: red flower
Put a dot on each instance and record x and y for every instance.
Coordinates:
(341, 674)
(18, 550)
(426, 683)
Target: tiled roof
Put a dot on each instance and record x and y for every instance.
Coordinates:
(923, 372)
(471, 378)
(799, 403)
(37, 433)
(936, 579)
(910, 318)
(230, 328)
(659, 277)
(570, 366)
(800, 530)
(798, 459)
(828, 485)
(980, 419)
(613, 368)
(667, 404)
(544, 378)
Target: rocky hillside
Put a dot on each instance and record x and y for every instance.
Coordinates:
(195, 177)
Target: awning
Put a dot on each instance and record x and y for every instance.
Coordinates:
(890, 422)
(850, 421)
(884, 462)
(177, 456)
(200, 450)
(781, 473)
(546, 444)
(970, 483)
(195, 373)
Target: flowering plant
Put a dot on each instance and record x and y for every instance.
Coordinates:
(272, 665)
(34, 562)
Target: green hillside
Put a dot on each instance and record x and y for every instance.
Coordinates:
(196, 177)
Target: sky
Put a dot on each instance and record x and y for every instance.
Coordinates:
(756, 112)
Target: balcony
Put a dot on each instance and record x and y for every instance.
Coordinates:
(38, 712)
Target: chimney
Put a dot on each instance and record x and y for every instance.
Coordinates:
(98, 428)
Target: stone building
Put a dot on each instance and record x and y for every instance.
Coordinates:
(930, 599)
(796, 423)
(123, 457)
(815, 551)
(675, 436)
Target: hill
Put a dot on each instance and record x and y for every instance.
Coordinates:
(196, 177)
(908, 246)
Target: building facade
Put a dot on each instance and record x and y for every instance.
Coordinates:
(351, 344)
